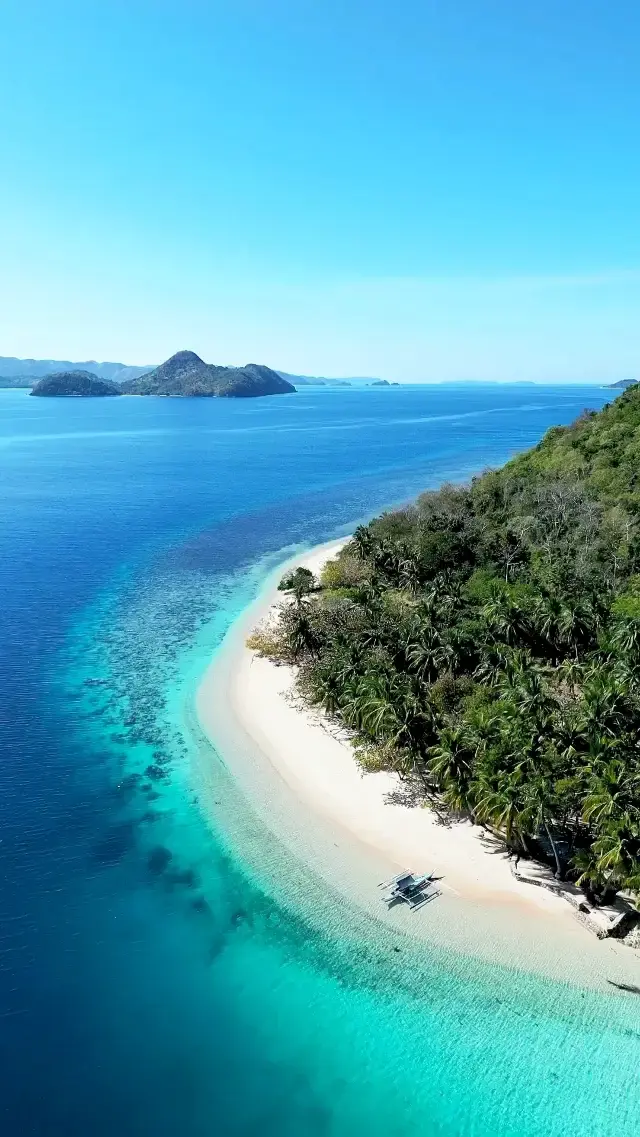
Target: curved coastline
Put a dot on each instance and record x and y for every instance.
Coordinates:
(298, 774)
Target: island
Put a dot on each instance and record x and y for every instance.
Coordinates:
(623, 383)
(75, 384)
(482, 648)
(324, 380)
(185, 375)
(16, 372)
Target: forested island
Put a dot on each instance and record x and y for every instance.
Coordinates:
(81, 384)
(186, 374)
(485, 644)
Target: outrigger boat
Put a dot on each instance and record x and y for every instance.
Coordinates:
(408, 888)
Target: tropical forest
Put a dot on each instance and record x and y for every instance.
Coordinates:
(484, 643)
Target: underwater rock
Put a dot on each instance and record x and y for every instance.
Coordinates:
(158, 859)
(115, 844)
(156, 773)
(199, 904)
(129, 782)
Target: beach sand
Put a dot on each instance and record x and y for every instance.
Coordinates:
(300, 774)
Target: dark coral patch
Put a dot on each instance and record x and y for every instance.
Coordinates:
(115, 844)
(158, 859)
(155, 772)
(199, 904)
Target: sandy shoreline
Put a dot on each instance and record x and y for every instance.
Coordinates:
(482, 909)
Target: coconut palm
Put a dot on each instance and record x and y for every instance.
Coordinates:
(302, 636)
(626, 638)
(426, 656)
(548, 615)
(501, 803)
(614, 790)
(577, 625)
(363, 542)
(451, 764)
(505, 620)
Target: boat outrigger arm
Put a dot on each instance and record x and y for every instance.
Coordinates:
(410, 888)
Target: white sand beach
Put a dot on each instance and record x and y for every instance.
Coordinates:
(483, 909)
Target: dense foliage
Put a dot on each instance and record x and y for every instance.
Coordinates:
(486, 641)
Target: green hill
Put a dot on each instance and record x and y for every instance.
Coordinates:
(186, 374)
(75, 384)
(485, 642)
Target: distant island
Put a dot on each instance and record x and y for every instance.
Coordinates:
(325, 381)
(24, 373)
(187, 375)
(75, 384)
(184, 374)
(16, 372)
(623, 383)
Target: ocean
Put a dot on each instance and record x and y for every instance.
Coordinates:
(152, 984)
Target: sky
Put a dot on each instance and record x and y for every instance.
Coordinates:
(425, 190)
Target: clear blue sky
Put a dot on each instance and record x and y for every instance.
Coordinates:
(418, 190)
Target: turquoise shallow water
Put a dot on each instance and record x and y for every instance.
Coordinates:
(154, 980)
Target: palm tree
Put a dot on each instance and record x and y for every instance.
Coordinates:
(388, 711)
(451, 764)
(492, 666)
(368, 594)
(626, 638)
(605, 703)
(328, 690)
(410, 573)
(614, 791)
(577, 624)
(363, 541)
(549, 615)
(613, 859)
(500, 802)
(301, 634)
(541, 801)
(505, 619)
(426, 656)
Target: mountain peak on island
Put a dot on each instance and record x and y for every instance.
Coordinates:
(182, 359)
(186, 374)
(182, 370)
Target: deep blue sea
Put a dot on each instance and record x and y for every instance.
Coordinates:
(148, 986)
